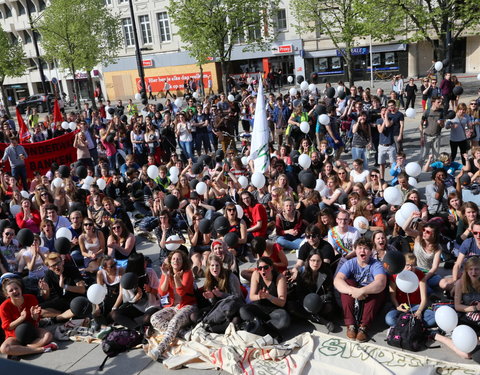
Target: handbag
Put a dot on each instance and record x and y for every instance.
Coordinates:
(470, 132)
(473, 316)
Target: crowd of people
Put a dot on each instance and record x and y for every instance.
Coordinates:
(177, 173)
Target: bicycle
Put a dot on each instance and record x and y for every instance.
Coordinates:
(382, 75)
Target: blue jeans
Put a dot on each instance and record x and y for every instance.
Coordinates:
(112, 161)
(289, 244)
(433, 283)
(428, 316)
(360, 153)
(20, 174)
(187, 149)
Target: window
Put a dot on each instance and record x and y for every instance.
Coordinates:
(122, 1)
(128, 32)
(21, 8)
(240, 35)
(146, 29)
(26, 37)
(254, 32)
(42, 5)
(31, 6)
(281, 19)
(108, 2)
(164, 26)
(13, 38)
(8, 11)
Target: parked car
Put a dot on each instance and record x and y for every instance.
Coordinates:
(40, 101)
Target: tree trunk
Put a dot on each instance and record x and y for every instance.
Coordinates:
(223, 87)
(91, 89)
(200, 83)
(349, 62)
(4, 99)
(76, 89)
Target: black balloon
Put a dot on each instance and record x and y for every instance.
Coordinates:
(300, 79)
(219, 155)
(111, 111)
(238, 97)
(314, 78)
(25, 333)
(294, 156)
(207, 159)
(3, 224)
(205, 226)
(144, 101)
(159, 107)
(458, 90)
(124, 119)
(394, 261)
(64, 171)
(81, 171)
(197, 168)
(231, 239)
(171, 201)
(330, 92)
(25, 237)
(308, 180)
(81, 307)
(450, 115)
(310, 214)
(62, 245)
(221, 225)
(279, 318)
(110, 138)
(312, 303)
(193, 184)
(129, 280)
(342, 95)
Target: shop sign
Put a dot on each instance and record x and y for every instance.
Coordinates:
(175, 81)
(354, 51)
(286, 48)
(147, 63)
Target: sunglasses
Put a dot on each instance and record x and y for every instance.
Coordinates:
(111, 265)
(116, 227)
(428, 231)
(88, 224)
(476, 233)
(374, 175)
(56, 265)
(9, 234)
(266, 267)
(231, 209)
(309, 236)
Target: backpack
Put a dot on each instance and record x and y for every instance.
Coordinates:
(118, 341)
(148, 224)
(408, 333)
(223, 310)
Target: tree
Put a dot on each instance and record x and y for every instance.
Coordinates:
(440, 22)
(12, 63)
(338, 19)
(80, 34)
(211, 28)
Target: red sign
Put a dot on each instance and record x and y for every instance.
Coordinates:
(176, 81)
(147, 63)
(41, 155)
(285, 49)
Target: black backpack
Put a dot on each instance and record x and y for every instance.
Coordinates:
(408, 333)
(118, 341)
(223, 310)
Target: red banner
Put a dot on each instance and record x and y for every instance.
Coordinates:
(175, 81)
(41, 155)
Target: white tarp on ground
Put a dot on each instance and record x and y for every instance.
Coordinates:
(309, 353)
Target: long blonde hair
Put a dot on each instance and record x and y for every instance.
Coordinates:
(468, 285)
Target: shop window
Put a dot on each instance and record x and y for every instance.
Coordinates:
(336, 63)
(376, 59)
(390, 58)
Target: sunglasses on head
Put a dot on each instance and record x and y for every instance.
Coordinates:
(266, 267)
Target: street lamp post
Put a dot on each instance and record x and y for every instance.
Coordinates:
(37, 53)
(138, 53)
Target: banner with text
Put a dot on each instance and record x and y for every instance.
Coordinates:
(176, 81)
(41, 155)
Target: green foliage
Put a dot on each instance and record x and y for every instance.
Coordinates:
(12, 58)
(80, 34)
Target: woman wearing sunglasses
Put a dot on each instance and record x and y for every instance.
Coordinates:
(92, 245)
(120, 243)
(268, 293)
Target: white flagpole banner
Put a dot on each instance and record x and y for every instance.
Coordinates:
(260, 135)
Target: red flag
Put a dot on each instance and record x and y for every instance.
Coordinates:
(57, 115)
(24, 133)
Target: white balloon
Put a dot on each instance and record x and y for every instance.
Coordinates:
(102, 184)
(201, 188)
(413, 169)
(96, 293)
(408, 209)
(231, 98)
(293, 91)
(244, 160)
(410, 112)
(320, 185)
(304, 86)
(152, 172)
(324, 119)
(195, 95)
(65, 125)
(15, 209)
(312, 87)
(407, 281)
(412, 181)
(243, 181)
(478, 76)
(179, 102)
(340, 89)
(464, 338)
(174, 179)
(399, 218)
(290, 79)
(88, 180)
(84, 187)
(393, 196)
(258, 180)
(138, 96)
(438, 66)
(72, 126)
(304, 127)
(304, 161)
(57, 182)
(174, 171)
(64, 232)
(446, 318)
(361, 223)
(239, 211)
(25, 194)
(173, 246)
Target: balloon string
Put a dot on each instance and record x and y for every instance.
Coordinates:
(408, 299)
